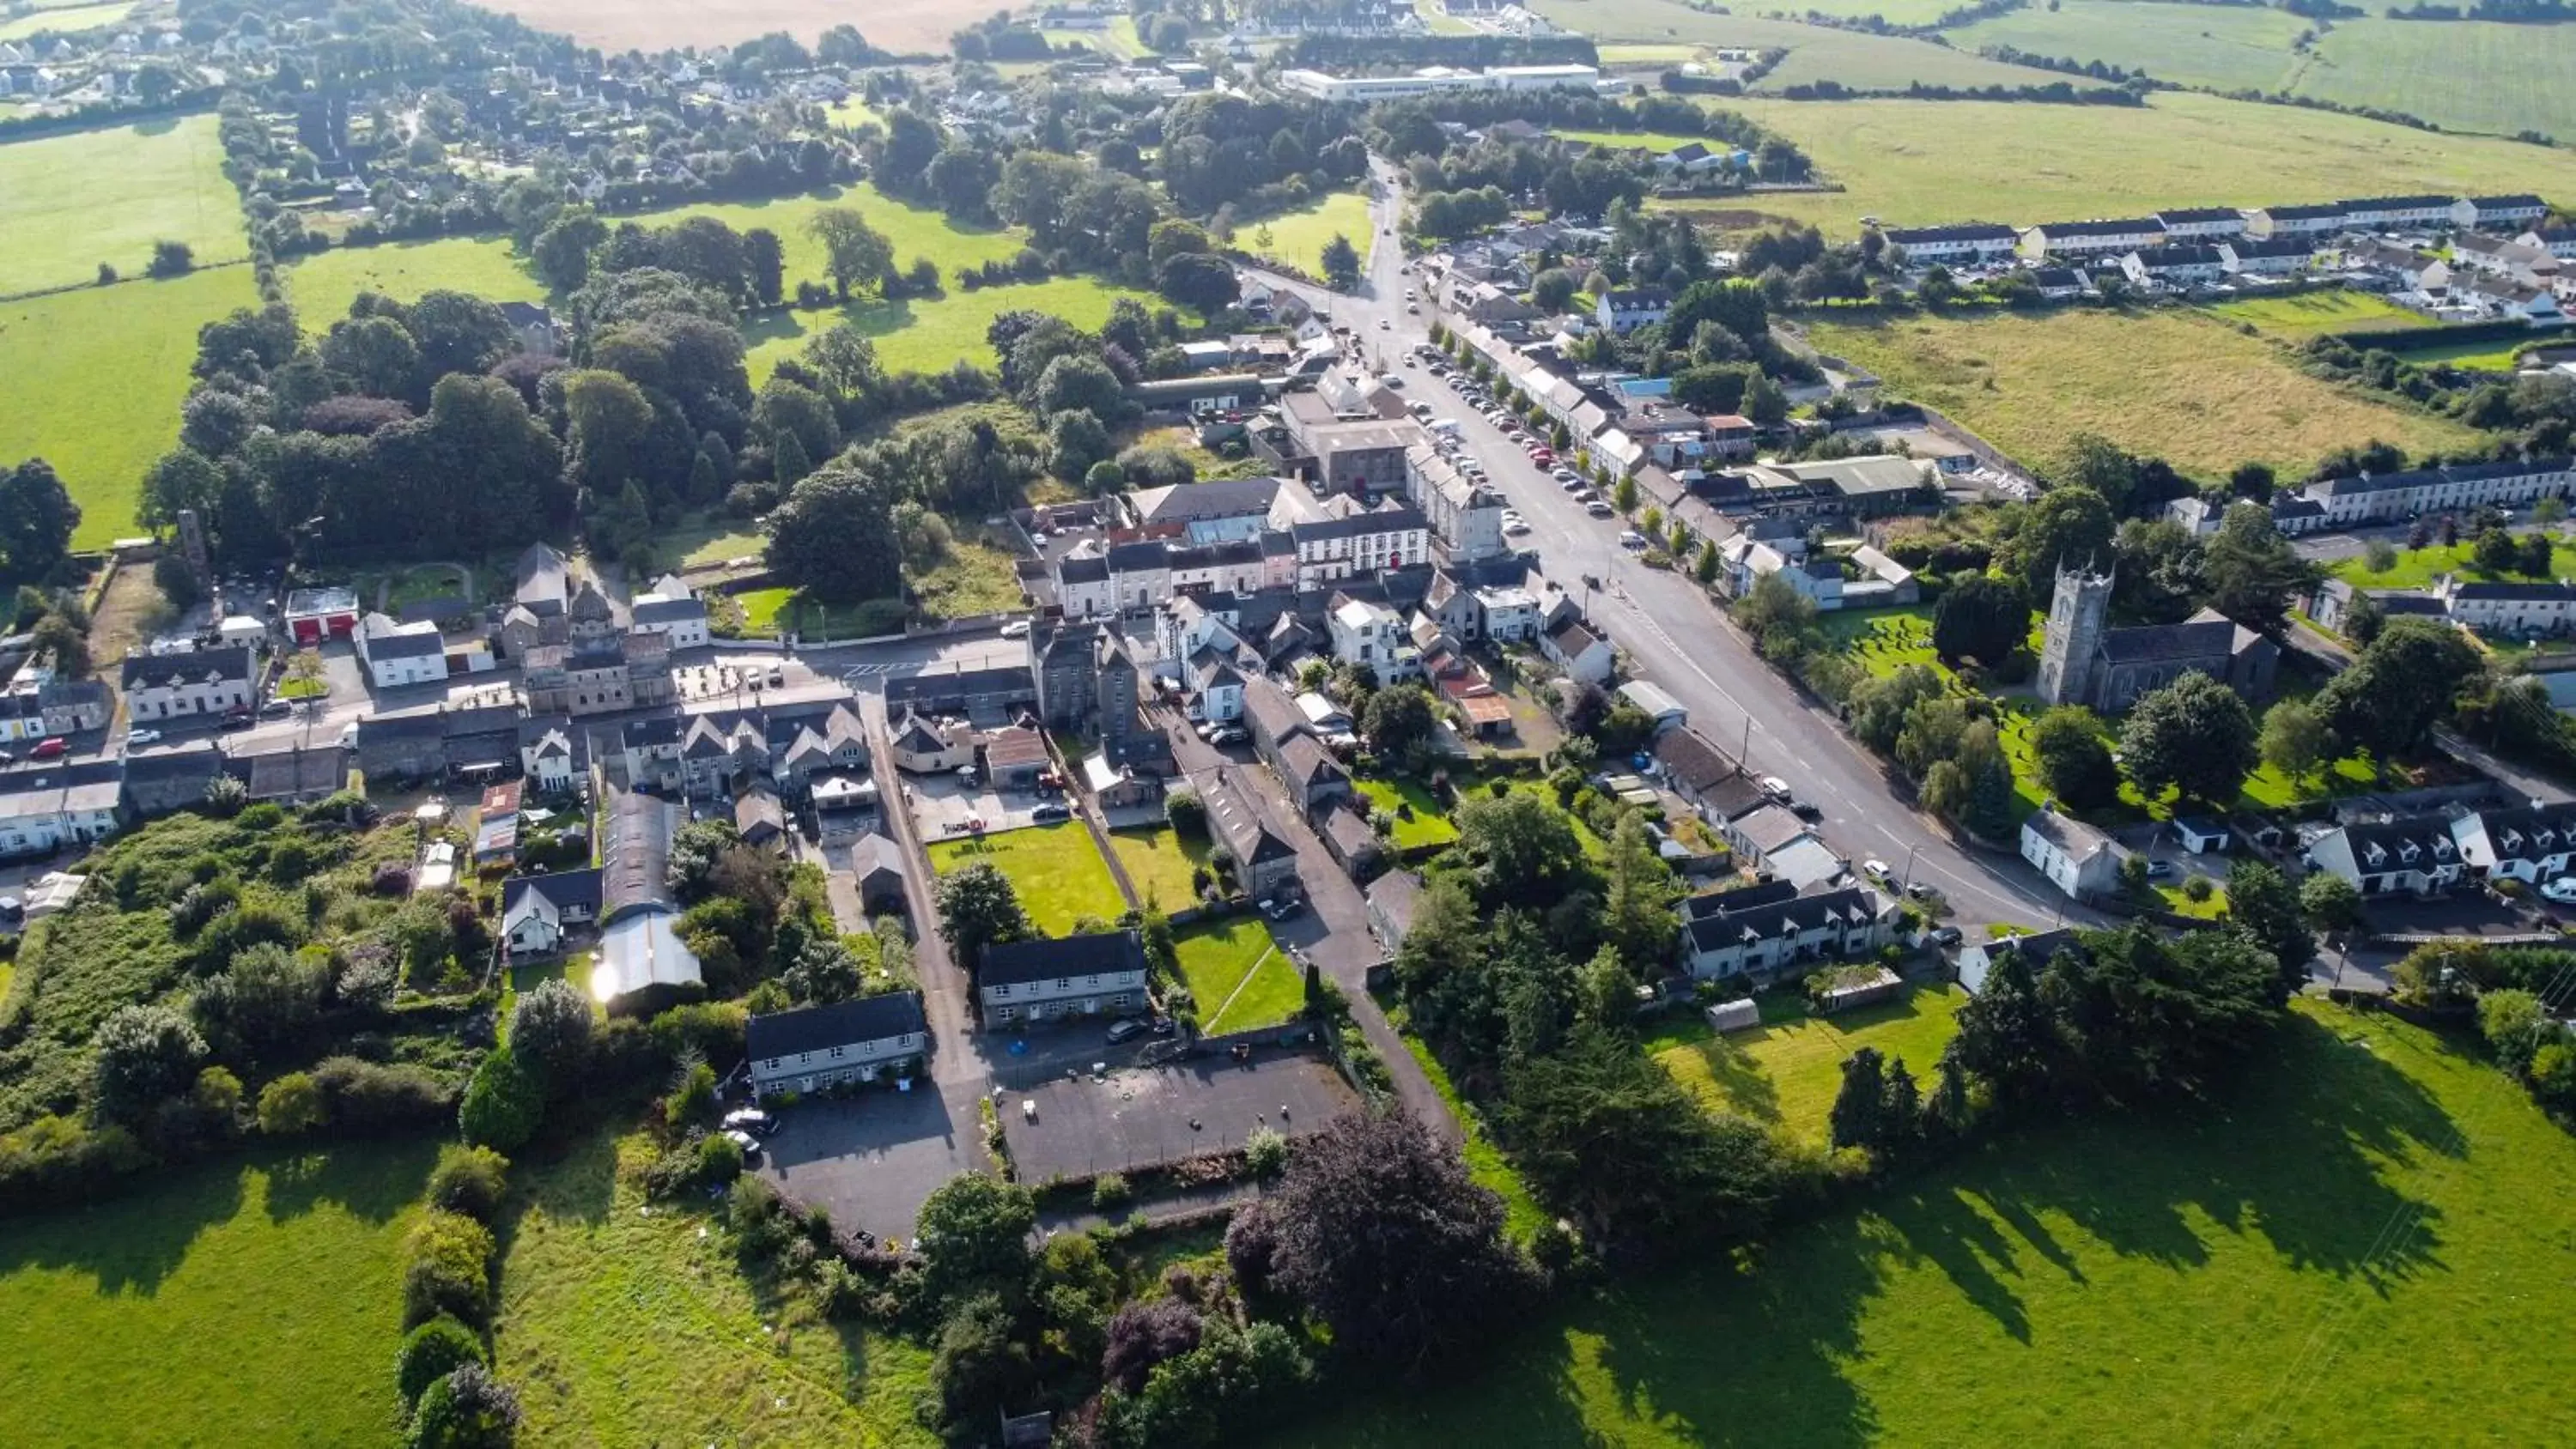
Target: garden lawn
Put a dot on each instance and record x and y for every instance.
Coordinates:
(1921, 163)
(70, 202)
(975, 578)
(1239, 977)
(621, 1327)
(933, 334)
(2299, 1262)
(2416, 568)
(95, 378)
(2177, 385)
(324, 284)
(1297, 238)
(707, 540)
(256, 1299)
(2298, 316)
(1159, 863)
(1429, 827)
(1788, 1070)
(1056, 869)
(2492, 354)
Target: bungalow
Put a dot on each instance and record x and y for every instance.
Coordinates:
(2077, 859)
(1043, 980)
(2058, 284)
(1977, 960)
(877, 869)
(1763, 932)
(825, 1046)
(174, 686)
(1656, 704)
(1392, 899)
(2417, 854)
(539, 911)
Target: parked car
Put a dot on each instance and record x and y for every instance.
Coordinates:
(2162, 870)
(1016, 629)
(1282, 910)
(277, 709)
(1126, 1027)
(1875, 869)
(1516, 525)
(751, 1120)
(1599, 508)
(2561, 890)
(1775, 787)
(1945, 936)
(142, 737)
(749, 1144)
(1631, 540)
(51, 748)
(1051, 812)
(1923, 891)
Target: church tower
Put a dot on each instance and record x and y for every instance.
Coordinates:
(2077, 615)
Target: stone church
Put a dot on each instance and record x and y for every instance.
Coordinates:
(2083, 660)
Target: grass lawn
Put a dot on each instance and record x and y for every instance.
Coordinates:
(1788, 1070)
(2302, 315)
(761, 608)
(324, 284)
(2492, 354)
(1920, 163)
(66, 19)
(2299, 1261)
(2176, 385)
(707, 540)
(94, 383)
(252, 1300)
(1297, 238)
(618, 1327)
(1522, 1216)
(1240, 979)
(1056, 869)
(1884, 641)
(2416, 568)
(1159, 863)
(1429, 825)
(70, 202)
(928, 335)
(1657, 141)
(2463, 76)
(2208, 908)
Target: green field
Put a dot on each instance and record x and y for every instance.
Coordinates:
(323, 285)
(1788, 1070)
(2491, 354)
(623, 1327)
(935, 334)
(1297, 238)
(1919, 163)
(252, 1300)
(66, 19)
(94, 383)
(68, 203)
(2180, 386)
(1865, 62)
(1159, 864)
(1658, 141)
(1238, 976)
(2225, 47)
(2302, 315)
(2297, 1263)
(1056, 869)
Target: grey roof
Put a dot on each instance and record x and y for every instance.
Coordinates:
(1089, 568)
(2178, 255)
(1906, 236)
(873, 855)
(669, 611)
(819, 1028)
(2204, 639)
(1046, 960)
(1216, 498)
(565, 889)
(2199, 213)
(1719, 903)
(420, 644)
(1691, 760)
(1770, 827)
(2100, 228)
(1397, 519)
(148, 671)
(2068, 834)
(635, 855)
(2303, 213)
(1572, 638)
(1740, 924)
(2279, 246)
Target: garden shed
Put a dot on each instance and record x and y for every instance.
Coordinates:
(1854, 988)
(1737, 1015)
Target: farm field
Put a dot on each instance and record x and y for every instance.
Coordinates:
(2464, 76)
(1237, 976)
(1788, 1070)
(1297, 238)
(70, 202)
(1159, 863)
(2346, 1217)
(1856, 59)
(2200, 395)
(66, 18)
(903, 26)
(324, 284)
(2302, 315)
(253, 1300)
(2229, 48)
(95, 379)
(1920, 163)
(622, 1328)
(1056, 869)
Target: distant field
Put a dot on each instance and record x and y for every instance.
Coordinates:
(2296, 1263)
(68, 18)
(1919, 163)
(2177, 385)
(1298, 237)
(252, 1300)
(70, 202)
(93, 380)
(1633, 140)
(2229, 47)
(323, 285)
(903, 26)
(1873, 62)
(2303, 315)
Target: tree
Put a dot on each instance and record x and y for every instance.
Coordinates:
(978, 908)
(1980, 618)
(431, 1352)
(177, 481)
(2538, 555)
(2331, 903)
(2254, 481)
(2066, 527)
(37, 519)
(1765, 402)
(1858, 1119)
(2549, 512)
(854, 253)
(1384, 1237)
(1520, 848)
(171, 259)
(1398, 717)
(2295, 740)
(504, 1102)
(448, 1269)
(2194, 734)
(562, 252)
(550, 1032)
(1552, 290)
(764, 262)
(290, 1106)
(2074, 758)
(834, 535)
(469, 1180)
(1341, 263)
(2005, 1034)
(1637, 919)
(974, 1230)
(2252, 571)
(1076, 444)
(468, 1409)
(2263, 904)
(2495, 552)
(2515, 1024)
(1198, 281)
(2404, 681)
(1142, 1335)
(145, 1053)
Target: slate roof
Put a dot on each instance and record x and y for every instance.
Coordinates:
(153, 671)
(564, 889)
(635, 855)
(820, 1028)
(1022, 961)
(2203, 639)
(1690, 760)
(2100, 228)
(668, 611)
(1969, 232)
(1756, 921)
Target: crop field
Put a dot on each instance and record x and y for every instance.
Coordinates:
(1298, 237)
(622, 1324)
(70, 202)
(323, 285)
(1868, 62)
(1788, 1070)
(66, 18)
(1920, 163)
(2194, 392)
(2295, 1263)
(2302, 315)
(2228, 47)
(253, 1300)
(903, 26)
(94, 383)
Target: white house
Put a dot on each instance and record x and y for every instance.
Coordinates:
(2505, 607)
(1625, 309)
(2202, 223)
(2091, 238)
(2529, 845)
(1372, 636)
(1044, 980)
(1573, 647)
(545, 753)
(1762, 932)
(538, 912)
(1974, 243)
(2376, 213)
(932, 747)
(2175, 265)
(682, 619)
(2459, 487)
(1332, 549)
(41, 812)
(2267, 257)
(2076, 858)
(826, 1046)
(2499, 213)
(1216, 687)
(401, 654)
(2418, 855)
(174, 686)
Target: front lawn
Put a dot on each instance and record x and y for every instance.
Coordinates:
(252, 1300)
(1159, 863)
(1056, 869)
(2416, 568)
(1419, 820)
(1788, 1069)
(1238, 976)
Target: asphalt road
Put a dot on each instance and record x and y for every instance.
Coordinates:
(1675, 635)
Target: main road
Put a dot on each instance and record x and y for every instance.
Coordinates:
(1675, 635)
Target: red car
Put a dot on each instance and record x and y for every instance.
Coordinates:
(1543, 457)
(50, 749)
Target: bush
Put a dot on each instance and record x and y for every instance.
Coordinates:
(1186, 813)
(693, 1096)
(55, 1160)
(468, 1409)
(290, 1106)
(1110, 1192)
(431, 1352)
(1265, 1152)
(2199, 888)
(448, 1269)
(719, 1159)
(1251, 1242)
(361, 1097)
(503, 1104)
(469, 1180)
